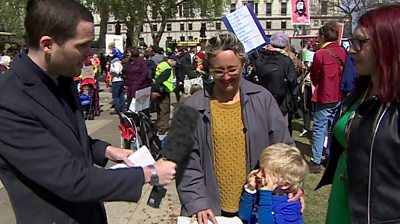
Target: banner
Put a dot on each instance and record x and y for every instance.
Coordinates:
(244, 23)
(141, 100)
(300, 12)
(341, 29)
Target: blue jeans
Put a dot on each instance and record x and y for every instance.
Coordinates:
(323, 119)
(118, 96)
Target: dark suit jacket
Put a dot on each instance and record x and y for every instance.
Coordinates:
(46, 165)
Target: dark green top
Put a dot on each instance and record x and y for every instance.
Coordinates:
(338, 205)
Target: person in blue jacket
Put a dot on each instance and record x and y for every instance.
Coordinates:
(265, 196)
(349, 75)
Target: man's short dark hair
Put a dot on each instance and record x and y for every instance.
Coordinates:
(58, 19)
(156, 49)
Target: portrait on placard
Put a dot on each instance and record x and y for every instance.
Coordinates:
(300, 12)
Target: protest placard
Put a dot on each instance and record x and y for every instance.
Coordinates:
(244, 23)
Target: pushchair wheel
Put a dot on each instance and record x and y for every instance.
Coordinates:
(91, 117)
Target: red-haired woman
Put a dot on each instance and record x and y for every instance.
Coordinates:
(364, 165)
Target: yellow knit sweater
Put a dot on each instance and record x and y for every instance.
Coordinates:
(229, 152)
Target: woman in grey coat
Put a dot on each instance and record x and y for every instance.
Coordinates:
(238, 119)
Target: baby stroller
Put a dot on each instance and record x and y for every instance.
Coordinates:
(89, 98)
(137, 130)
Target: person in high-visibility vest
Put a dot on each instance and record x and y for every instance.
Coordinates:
(163, 85)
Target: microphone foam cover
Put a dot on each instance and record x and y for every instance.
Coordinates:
(179, 140)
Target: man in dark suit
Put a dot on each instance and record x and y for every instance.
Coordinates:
(46, 156)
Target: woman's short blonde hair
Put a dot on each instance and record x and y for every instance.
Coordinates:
(225, 41)
(286, 163)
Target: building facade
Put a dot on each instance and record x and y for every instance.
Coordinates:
(273, 15)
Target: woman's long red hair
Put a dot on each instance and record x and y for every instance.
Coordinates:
(383, 26)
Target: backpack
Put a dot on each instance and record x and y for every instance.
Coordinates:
(269, 72)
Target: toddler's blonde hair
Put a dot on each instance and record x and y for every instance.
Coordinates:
(286, 163)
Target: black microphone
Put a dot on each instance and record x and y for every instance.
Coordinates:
(178, 145)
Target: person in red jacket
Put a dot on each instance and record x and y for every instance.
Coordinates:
(326, 75)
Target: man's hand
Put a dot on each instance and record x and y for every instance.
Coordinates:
(118, 155)
(298, 196)
(155, 95)
(204, 216)
(165, 171)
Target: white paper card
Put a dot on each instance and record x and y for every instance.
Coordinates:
(141, 100)
(220, 220)
(244, 25)
(141, 157)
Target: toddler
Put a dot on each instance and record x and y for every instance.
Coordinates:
(265, 196)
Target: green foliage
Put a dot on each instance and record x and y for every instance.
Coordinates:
(164, 10)
(12, 17)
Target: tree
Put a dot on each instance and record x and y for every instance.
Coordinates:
(163, 10)
(12, 17)
(103, 8)
(348, 7)
(131, 13)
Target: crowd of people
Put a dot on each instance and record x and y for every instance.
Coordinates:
(243, 161)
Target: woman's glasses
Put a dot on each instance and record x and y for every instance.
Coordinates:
(221, 72)
(357, 44)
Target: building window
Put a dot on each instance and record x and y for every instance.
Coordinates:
(268, 25)
(141, 41)
(268, 9)
(169, 38)
(141, 28)
(182, 38)
(190, 26)
(233, 7)
(203, 30)
(218, 25)
(324, 8)
(155, 27)
(169, 27)
(186, 9)
(283, 8)
(283, 25)
(182, 26)
(190, 38)
(254, 6)
(180, 9)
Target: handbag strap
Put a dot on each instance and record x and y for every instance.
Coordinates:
(340, 63)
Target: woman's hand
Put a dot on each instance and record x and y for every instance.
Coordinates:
(299, 196)
(204, 216)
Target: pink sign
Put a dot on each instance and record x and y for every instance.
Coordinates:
(341, 28)
(300, 12)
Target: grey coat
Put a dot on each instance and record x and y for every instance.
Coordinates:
(263, 125)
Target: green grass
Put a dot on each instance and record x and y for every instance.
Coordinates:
(316, 201)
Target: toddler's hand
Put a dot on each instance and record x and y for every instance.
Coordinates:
(251, 180)
(268, 183)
